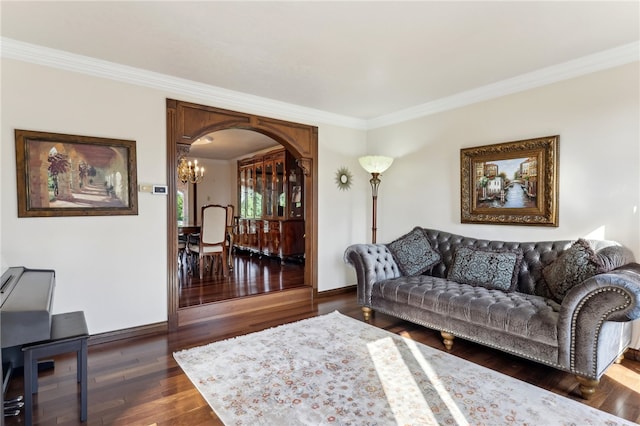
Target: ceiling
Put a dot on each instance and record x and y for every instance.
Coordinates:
(362, 60)
(230, 144)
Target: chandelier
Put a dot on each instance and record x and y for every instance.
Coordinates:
(190, 173)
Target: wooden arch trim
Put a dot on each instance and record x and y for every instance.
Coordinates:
(195, 121)
(186, 122)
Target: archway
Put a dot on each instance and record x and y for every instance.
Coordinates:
(186, 122)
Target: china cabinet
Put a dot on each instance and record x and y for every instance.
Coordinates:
(271, 201)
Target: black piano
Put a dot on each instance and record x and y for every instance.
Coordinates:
(26, 299)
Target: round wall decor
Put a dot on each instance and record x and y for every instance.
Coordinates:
(343, 178)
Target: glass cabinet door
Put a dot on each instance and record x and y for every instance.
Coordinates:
(249, 193)
(279, 189)
(268, 188)
(243, 193)
(258, 191)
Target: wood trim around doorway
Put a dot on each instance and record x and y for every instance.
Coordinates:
(186, 122)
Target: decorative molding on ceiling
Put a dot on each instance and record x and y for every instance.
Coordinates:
(611, 58)
(224, 98)
(216, 96)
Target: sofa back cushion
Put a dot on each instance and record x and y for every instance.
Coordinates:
(572, 267)
(536, 255)
(413, 253)
(493, 269)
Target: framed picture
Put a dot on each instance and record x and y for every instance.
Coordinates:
(68, 175)
(512, 183)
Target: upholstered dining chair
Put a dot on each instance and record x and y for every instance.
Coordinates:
(213, 238)
(230, 234)
(182, 247)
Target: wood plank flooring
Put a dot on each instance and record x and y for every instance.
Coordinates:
(251, 275)
(137, 381)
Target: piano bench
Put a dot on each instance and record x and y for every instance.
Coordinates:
(68, 333)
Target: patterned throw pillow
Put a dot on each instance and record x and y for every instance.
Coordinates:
(413, 253)
(573, 266)
(493, 269)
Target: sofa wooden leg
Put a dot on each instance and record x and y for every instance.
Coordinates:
(447, 339)
(621, 357)
(366, 312)
(587, 386)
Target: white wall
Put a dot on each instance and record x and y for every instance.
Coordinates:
(597, 118)
(104, 265)
(114, 267)
(216, 186)
(341, 214)
(233, 184)
(107, 265)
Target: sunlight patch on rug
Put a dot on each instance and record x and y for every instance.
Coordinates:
(402, 392)
(333, 369)
(439, 387)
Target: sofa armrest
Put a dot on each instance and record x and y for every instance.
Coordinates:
(612, 255)
(612, 296)
(373, 263)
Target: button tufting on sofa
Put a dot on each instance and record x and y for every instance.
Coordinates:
(525, 322)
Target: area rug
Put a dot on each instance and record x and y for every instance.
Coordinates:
(333, 369)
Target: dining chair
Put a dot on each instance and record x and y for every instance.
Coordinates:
(182, 247)
(213, 238)
(230, 234)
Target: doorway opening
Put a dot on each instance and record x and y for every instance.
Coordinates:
(186, 122)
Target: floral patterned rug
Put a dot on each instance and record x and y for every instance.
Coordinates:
(333, 369)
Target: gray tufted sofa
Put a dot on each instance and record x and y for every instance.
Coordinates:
(584, 334)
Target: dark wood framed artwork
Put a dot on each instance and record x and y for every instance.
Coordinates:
(69, 175)
(512, 183)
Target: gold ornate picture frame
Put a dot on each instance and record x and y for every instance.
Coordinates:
(69, 175)
(512, 183)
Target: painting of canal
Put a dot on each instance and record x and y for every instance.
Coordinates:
(506, 183)
(510, 183)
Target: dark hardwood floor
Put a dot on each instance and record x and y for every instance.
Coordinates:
(137, 382)
(251, 275)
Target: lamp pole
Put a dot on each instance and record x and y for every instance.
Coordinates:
(375, 183)
(375, 164)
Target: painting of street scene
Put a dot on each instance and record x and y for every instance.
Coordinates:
(509, 183)
(69, 175)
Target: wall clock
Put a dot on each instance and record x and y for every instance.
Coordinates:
(343, 178)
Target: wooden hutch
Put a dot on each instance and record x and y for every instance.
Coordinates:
(271, 205)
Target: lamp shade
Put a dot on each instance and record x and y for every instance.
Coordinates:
(375, 163)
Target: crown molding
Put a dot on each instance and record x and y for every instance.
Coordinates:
(221, 98)
(224, 98)
(611, 58)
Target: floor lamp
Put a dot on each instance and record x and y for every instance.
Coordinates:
(375, 164)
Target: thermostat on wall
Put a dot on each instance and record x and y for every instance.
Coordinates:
(159, 189)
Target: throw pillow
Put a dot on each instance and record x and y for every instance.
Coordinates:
(413, 253)
(572, 267)
(493, 269)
